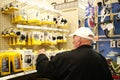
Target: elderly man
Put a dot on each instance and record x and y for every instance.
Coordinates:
(81, 63)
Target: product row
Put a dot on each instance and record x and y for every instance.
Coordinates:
(33, 16)
(21, 60)
(30, 37)
(36, 17)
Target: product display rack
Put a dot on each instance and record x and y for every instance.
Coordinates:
(6, 18)
(17, 75)
(42, 28)
(103, 42)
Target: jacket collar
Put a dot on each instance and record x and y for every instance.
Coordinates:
(85, 46)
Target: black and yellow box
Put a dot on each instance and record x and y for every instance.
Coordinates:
(4, 64)
(15, 62)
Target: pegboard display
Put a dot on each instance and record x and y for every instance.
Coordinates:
(5, 22)
(103, 18)
(106, 44)
(4, 2)
(105, 48)
(100, 31)
(115, 8)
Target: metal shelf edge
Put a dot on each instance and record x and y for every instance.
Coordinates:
(17, 75)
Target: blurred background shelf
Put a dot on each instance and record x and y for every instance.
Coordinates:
(17, 75)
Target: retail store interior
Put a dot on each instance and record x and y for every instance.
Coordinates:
(29, 25)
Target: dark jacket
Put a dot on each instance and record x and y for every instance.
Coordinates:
(82, 63)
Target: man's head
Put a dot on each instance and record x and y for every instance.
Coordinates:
(82, 36)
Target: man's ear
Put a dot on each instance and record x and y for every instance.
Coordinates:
(79, 41)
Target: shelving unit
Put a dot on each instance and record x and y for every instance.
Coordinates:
(17, 75)
(104, 43)
(109, 14)
(105, 36)
(108, 39)
(42, 28)
(5, 23)
(25, 4)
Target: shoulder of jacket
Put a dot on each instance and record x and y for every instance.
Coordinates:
(63, 53)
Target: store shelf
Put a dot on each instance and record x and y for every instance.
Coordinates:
(67, 5)
(17, 75)
(101, 15)
(32, 4)
(26, 4)
(109, 14)
(42, 28)
(103, 36)
(108, 39)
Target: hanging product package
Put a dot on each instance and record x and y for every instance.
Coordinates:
(54, 38)
(36, 38)
(4, 64)
(62, 22)
(33, 17)
(9, 8)
(21, 39)
(48, 37)
(60, 37)
(27, 59)
(108, 29)
(29, 38)
(64, 37)
(15, 61)
(19, 17)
